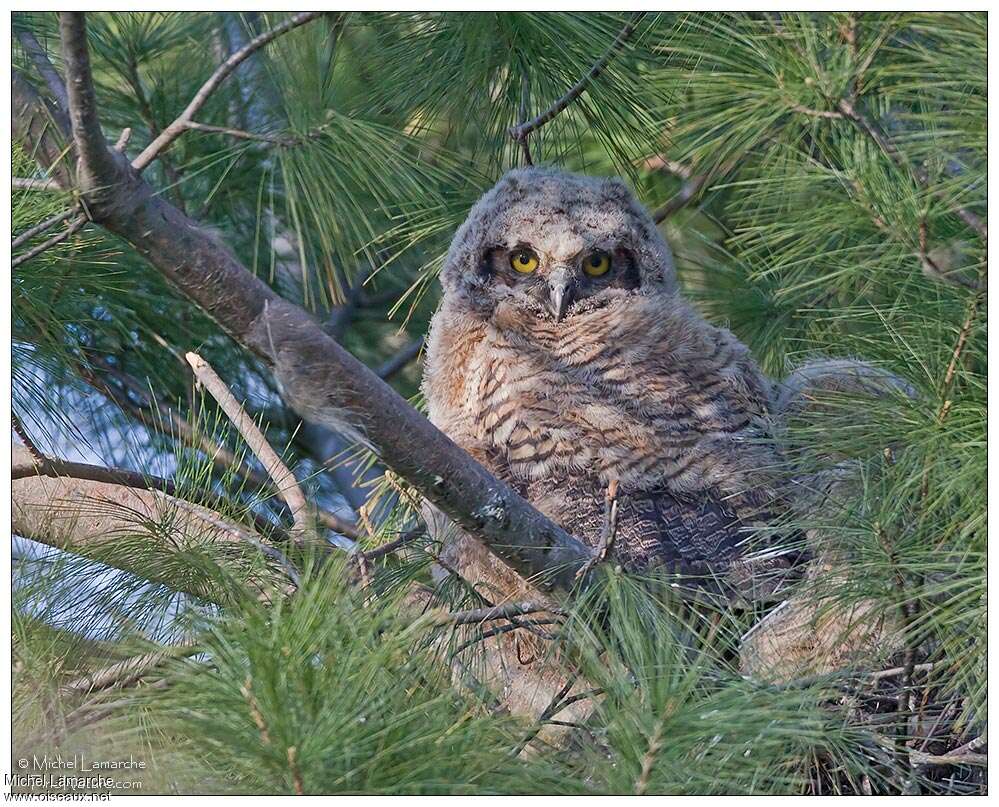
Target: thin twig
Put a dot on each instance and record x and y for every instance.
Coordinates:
(42, 227)
(125, 672)
(525, 100)
(278, 140)
(222, 72)
(400, 359)
(683, 197)
(831, 114)
(608, 532)
(75, 226)
(29, 444)
(526, 624)
(959, 756)
(891, 673)
(284, 480)
(887, 145)
(523, 130)
(962, 339)
(393, 546)
(505, 611)
(29, 184)
(553, 708)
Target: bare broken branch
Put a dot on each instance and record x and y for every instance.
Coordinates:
(285, 481)
(158, 415)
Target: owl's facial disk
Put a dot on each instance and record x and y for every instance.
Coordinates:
(558, 283)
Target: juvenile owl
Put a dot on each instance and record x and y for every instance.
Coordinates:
(565, 360)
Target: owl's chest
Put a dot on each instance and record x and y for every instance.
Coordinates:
(612, 413)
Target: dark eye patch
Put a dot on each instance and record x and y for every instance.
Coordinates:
(625, 274)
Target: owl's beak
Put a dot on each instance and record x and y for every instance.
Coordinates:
(561, 293)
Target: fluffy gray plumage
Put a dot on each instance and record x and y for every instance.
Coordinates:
(564, 358)
(563, 382)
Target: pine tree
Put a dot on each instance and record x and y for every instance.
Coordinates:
(822, 180)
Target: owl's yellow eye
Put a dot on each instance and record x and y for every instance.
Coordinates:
(524, 261)
(597, 264)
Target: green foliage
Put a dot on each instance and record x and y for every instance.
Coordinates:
(375, 132)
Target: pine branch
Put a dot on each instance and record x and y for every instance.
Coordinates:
(400, 359)
(521, 132)
(222, 72)
(53, 81)
(849, 109)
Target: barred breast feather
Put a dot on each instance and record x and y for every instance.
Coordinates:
(638, 390)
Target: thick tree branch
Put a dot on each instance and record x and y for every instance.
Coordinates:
(89, 511)
(92, 150)
(56, 468)
(180, 125)
(321, 380)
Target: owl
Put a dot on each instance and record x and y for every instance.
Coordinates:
(564, 358)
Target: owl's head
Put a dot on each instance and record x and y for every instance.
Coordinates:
(555, 244)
